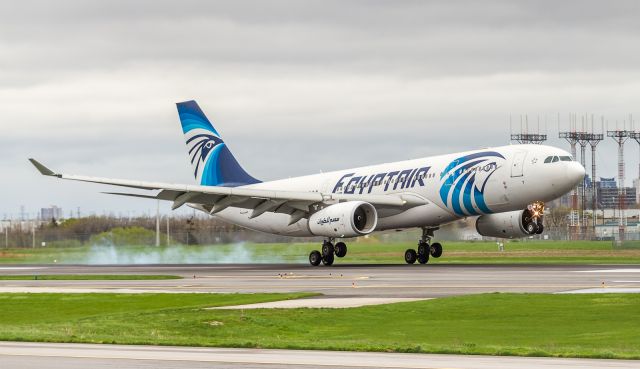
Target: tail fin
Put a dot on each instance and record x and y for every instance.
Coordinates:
(213, 163)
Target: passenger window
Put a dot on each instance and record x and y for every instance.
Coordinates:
(565, 158)
(548, 159)
(555, 159)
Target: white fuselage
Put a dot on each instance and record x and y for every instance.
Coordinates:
(454, 186)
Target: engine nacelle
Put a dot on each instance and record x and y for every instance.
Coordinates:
(345, 219)
(512, 224)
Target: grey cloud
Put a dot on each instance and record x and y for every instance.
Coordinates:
(295, 87)
(424, 38)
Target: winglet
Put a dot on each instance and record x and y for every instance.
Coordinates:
(42, 169)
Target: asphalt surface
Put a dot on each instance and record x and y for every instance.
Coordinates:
(70, 356)
(393, 281)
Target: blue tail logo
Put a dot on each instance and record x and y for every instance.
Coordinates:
(213, 164)
(463, 182)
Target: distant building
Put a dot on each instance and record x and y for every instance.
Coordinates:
(607, 183)
(636, 185)
(587, 182)
(608, 194)
(50, 213)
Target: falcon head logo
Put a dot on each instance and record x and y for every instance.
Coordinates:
(201, 145)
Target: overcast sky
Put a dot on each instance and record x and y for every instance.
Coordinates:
(295, 87)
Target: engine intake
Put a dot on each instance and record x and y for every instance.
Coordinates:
(345, 219)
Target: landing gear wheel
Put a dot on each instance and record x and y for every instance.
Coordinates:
(315, 258)
(436, 250)
(423, 248)
(341, 249)
(410, 256)
(327, 249)
(423, 258)
(540, 229)
(423, 252)
(327, 260)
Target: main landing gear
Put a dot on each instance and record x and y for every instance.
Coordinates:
(425, 249)
(329, 251)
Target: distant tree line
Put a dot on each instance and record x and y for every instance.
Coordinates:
(188, 230)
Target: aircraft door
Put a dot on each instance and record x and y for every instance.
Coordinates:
(517, 164)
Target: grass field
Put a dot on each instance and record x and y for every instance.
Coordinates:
(598, 326)
(86, 277)
(363, 251)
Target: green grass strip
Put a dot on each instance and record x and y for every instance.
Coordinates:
(591, 326)
(86, 277)
(361, 251)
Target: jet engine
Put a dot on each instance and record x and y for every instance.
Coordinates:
(512, 224)
(345, 219)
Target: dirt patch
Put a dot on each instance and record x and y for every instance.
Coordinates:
(11, 255)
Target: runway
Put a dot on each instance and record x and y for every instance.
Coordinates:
(70, 356)
(371, 281)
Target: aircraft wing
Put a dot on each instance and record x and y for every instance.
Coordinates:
(215, 198)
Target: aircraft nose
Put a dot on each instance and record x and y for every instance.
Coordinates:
(575, 173)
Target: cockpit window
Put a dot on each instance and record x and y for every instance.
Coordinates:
(555, 159)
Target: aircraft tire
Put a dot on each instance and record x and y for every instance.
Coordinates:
(436, 250)
(328, 260)
(532, 228)
(327, 249)
(423, 258)
(341, 249)
(315, 258)
(410, 256)
(423, 248)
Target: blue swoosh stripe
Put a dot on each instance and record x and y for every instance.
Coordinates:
(446, 187)
(479, 199)
(210, 176)
(466, 196)
(455, 198)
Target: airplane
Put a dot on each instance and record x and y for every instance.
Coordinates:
(503, 188)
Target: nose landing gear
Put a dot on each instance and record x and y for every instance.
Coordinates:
(425, 249)
(533, 218)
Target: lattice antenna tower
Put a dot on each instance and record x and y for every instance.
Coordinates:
(620, 136)
(524, 137)
(636, 136)
(571, 136)
(583, 140)
(594, 139)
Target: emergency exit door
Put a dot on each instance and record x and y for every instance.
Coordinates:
(518, 163)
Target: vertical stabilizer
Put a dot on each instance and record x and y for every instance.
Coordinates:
(213, 164)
